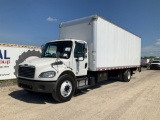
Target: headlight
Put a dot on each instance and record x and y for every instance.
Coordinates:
(48, 74)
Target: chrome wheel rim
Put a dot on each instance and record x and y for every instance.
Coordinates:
(66, 88)
(129, 75)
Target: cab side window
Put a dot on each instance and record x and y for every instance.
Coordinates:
(78, 52)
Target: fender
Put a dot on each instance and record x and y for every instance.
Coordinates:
(69, 73)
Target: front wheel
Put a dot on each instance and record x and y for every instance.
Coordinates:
(64, 89)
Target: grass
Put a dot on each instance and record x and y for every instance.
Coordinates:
(8, 82)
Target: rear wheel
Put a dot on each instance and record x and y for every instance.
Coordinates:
(64, 88)
(127, 75)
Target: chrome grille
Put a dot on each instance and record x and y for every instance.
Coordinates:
(26, 71)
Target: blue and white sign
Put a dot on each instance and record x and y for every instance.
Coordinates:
(10, 57)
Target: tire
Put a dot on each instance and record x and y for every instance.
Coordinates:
(64, 89)
(127, 75)
(139, 69)
(121, 75)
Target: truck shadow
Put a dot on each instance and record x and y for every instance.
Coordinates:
(41, 98)
(35, 98)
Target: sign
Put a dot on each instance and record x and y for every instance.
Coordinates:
(11, 57)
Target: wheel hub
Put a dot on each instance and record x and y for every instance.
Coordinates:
(129, 74)
(66, 88)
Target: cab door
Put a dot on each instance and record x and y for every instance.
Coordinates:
(80, 60)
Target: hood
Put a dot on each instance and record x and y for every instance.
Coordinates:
(44, 61)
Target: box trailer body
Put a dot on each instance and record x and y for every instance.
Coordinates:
(110, 46)
(89, 50)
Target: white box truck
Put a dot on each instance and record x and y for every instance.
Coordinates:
(90, 50)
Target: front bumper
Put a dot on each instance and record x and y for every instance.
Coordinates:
(155, 66)
(36, 86)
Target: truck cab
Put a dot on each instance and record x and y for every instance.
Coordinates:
(61, 62)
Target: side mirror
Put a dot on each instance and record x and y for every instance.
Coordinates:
(85, 53)
(58, 54)
(42, 47)
(80, 58)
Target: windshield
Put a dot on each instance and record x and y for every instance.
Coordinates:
(63, 47)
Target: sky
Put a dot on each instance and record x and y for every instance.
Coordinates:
(35, 22)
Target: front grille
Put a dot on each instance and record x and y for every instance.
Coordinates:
(26, 71)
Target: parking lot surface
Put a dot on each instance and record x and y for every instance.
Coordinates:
(138, 99)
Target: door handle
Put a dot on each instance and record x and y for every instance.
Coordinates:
(86, 65)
